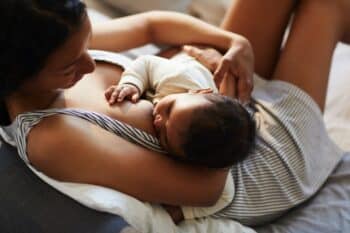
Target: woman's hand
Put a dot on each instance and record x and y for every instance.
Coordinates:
(207, 56)
(233, 72)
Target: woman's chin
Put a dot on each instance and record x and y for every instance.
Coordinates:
(73, 82)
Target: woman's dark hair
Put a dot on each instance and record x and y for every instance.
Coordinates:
(31, 30)
(220, 134)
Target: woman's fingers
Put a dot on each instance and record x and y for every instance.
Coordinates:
(192, 50)
(240, 74)
(228, 86)
(208, 57)
(244, 87)
(236, 67)
(221, 71)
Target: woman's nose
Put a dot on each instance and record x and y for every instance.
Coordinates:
(87, 64)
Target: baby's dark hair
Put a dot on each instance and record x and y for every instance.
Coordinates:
(220, 134)
(31, 30)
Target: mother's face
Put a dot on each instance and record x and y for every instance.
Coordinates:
(67, 65)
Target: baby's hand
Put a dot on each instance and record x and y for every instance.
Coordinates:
(121, 92)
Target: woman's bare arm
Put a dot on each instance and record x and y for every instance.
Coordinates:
(89, 154)
(158, 27)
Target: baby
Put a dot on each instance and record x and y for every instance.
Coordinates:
(193, 123)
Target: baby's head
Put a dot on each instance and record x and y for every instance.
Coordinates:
(204, 129)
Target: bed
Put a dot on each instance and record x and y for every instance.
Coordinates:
(29, 205)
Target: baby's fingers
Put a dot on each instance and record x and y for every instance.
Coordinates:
(125, 92)
(109, 92)
(114, 96)
(135, 97)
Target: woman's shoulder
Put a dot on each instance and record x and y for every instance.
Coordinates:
(52, 135)
(38, 130)
(62, 139)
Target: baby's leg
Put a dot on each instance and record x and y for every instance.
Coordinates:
(306, 58)
(263, 23)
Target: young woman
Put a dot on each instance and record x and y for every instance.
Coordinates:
(286, 168)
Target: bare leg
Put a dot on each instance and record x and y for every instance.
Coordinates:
(263, 23)
(306, 58)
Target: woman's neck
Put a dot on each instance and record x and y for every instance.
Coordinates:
(21, 102)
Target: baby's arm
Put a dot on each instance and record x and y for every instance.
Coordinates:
(144, 73)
